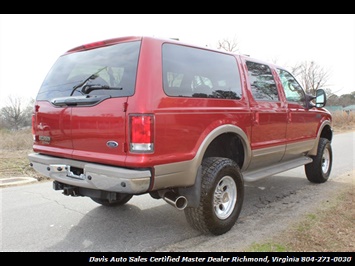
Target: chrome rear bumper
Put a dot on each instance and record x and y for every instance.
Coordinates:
(91, 175)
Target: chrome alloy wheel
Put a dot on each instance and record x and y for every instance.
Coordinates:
(225, 197)
(325, 160)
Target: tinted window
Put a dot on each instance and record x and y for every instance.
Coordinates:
(192, 72)
(263, 85)
(293, 90)
(114, 66)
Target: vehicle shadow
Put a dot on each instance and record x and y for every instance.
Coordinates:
(127, 228)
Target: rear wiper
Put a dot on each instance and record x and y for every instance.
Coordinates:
(89, 88)
(93, 76)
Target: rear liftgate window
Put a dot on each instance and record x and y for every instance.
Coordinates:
(104, 71)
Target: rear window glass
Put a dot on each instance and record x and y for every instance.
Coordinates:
(193, 72)
(112, 70)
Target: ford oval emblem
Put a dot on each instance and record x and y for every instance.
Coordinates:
(111, 144)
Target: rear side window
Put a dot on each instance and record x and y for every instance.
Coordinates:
(112, 70)
(262, 82)
(193, 72)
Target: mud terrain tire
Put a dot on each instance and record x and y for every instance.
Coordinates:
(222, 194)
(319, 170)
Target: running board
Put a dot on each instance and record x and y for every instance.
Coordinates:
(250, 176)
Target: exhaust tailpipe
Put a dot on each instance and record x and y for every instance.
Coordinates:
(179, 202)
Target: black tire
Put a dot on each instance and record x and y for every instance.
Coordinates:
(222, 194)
(319, 170)
(121, 199)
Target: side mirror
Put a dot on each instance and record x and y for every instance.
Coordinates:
(321, 98)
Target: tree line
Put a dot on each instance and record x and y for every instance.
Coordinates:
(311, 75)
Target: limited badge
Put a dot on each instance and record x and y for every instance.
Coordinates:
(45, 139)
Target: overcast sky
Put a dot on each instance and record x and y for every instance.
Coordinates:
(30, 43)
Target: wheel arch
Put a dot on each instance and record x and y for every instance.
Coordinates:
(226, 141)
(325, 131)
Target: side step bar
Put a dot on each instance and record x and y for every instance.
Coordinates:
(250, 176)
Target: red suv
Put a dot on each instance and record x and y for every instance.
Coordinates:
(187, 124)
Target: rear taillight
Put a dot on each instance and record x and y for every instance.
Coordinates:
(141, 133)
(34, 122)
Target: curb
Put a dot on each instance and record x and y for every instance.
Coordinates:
(13, 181)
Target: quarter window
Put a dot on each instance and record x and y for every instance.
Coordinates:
(193, 72)
(263, 85)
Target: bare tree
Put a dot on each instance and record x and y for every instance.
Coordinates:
(229, 45)
(311, 75)
(16, 114)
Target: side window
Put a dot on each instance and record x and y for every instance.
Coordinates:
(293, 90)
(193, 72)
(263, 85)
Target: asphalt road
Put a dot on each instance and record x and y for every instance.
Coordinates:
(36, 218)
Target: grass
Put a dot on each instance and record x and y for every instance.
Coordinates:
(11, 141)
(14, 148)
(343, 121)
(330, 229)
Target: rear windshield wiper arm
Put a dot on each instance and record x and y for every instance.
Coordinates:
(93, 76)
(89, 88)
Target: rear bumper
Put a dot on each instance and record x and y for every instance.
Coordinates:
(93, 176)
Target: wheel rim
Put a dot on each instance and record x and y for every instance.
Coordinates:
(225, 197)
(325, 161)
